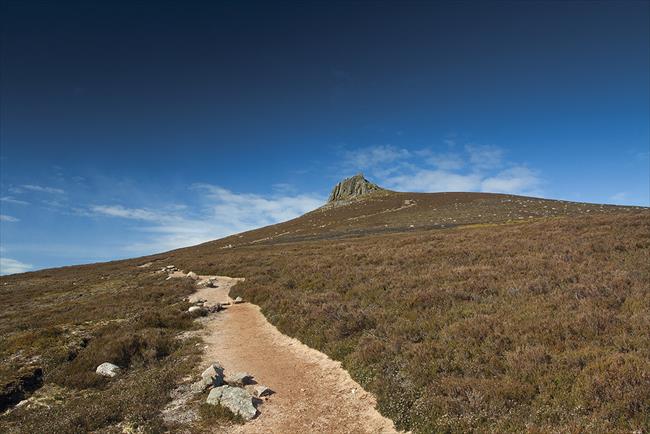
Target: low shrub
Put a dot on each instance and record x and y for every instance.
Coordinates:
(211, 414)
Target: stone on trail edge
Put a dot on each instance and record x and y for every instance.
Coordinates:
(211, 377)
(234, 399)
(239, 379)
(199, 309)
(215, 373)
(258, 390)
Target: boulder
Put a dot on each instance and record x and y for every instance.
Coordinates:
(234, 399)
(192, 275)
(239, 379)
(238, 300)
(198, 309)
(214, 373)
(108, 370)
(259, 390)
(200, 386)
(211, 377)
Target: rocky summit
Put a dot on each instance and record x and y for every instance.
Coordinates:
(353, 187)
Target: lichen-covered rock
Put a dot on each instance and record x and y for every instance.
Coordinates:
(239, 379)
(234, 399)
(199, 386)
(214, 373)
(211, 377)
(198, 309)
(259, 390)
(108, 370)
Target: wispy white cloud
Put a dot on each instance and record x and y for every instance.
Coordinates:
(221, 213)
(517, 179)
(443, 160)
(10, 199)
(282, 188)
(457, 168)
(41, 189)
(11, 266)
(484, 157)
(433, 180)
(127, 213)
(246, 209)
(373, 156)
(642, 156)
(629, 198)
(620, 197)
(8, 218)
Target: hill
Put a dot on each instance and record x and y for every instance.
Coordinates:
(380, 211)
(459, 311)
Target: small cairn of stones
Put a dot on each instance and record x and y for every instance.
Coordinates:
(238, 392)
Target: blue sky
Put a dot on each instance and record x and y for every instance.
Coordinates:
(132, 129)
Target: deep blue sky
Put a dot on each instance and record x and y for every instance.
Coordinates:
(134, 127)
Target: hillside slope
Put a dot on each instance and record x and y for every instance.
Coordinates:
(540, 326)
(389, 212)
(459, 311)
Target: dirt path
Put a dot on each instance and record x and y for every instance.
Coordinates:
(312, 392)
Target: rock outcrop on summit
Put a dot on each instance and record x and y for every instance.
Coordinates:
(351, 188)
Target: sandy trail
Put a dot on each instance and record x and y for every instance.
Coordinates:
(312, 392)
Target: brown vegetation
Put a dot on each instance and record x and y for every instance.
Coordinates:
(390, 212)
(67, 322)
(461, 312)
(516, 327)
(212, 414)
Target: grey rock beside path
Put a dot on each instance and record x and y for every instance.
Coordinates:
(214, 373)
(239, 379)
(258, 390)
(234, 399)
(211, 377)
(200, 309)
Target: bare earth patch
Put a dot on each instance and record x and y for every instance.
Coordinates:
(312, 392)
